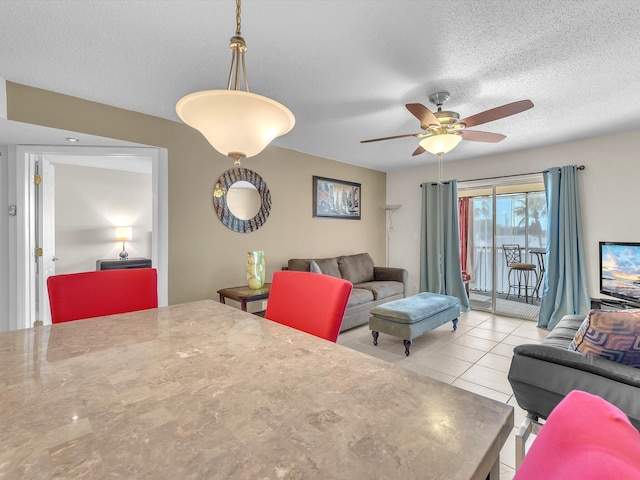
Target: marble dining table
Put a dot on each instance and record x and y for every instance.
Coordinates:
(205, 391)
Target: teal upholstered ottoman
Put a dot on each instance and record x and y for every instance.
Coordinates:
(410, 317)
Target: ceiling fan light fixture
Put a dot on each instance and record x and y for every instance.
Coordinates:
(443, 130)
(237, 123)
(440, 144)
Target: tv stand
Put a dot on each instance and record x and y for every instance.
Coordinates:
(612, 304)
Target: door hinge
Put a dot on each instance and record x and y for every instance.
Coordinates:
(37, 179)
(37, 251)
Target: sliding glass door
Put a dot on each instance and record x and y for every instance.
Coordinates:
(501, 219)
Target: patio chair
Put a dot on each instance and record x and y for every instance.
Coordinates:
(519, 272)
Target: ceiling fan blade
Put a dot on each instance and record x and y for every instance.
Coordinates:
(418, 151)
(390, 138)
(423, 114)
(475, 136)
(497, 113)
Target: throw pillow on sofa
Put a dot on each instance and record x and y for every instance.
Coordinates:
(614, 335)
(356, 268)
(314, 267)
(328, 266)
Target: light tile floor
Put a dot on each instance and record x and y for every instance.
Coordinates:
(476, 357)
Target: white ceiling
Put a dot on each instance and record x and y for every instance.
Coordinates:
(346, 68)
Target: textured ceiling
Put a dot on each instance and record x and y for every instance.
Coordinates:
(345, 67)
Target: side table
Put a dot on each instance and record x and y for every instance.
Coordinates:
(540, 254)
(245, 295)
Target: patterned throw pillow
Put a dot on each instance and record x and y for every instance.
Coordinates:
(314, 267)
(614, 335)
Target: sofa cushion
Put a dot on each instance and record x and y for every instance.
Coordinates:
(614, 335)
(328, 266)
(359, 296)
(382, 290)
(356, 268)
(563, 333)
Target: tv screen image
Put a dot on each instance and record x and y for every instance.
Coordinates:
(620, 270)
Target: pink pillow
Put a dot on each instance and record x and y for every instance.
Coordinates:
(585, 437)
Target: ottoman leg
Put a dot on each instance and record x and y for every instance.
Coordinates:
(455, 324)
(375, 337)
(407, 346)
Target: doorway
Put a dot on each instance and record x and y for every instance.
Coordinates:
(36, 248)
(505, 212)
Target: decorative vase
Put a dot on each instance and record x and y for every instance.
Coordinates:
(256, 269)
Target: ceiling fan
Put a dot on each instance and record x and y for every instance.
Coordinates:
(443, 130)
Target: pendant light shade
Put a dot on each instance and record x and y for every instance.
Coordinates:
(235, 123)
(440, 144)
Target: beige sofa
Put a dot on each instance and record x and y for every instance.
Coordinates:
(372, 285)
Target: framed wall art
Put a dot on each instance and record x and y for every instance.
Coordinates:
(336, 198)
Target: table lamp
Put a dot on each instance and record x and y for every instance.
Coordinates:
(124, 234)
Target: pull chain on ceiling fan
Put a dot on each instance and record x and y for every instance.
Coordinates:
(443, 130)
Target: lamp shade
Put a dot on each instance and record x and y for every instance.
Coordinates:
(235, 122)
(124, 234)
(440, 144)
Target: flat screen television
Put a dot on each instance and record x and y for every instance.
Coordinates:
(620, 270)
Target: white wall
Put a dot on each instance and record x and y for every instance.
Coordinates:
(90, 203)
(608, 187)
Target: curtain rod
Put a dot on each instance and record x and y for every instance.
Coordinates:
(579, 167)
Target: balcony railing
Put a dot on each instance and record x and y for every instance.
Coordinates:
(482, 279)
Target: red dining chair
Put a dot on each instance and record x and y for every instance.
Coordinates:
(76, 296)
(311, 302)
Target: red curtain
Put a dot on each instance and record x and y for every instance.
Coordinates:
(463, 215)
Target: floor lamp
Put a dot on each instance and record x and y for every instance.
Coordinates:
(390, 209)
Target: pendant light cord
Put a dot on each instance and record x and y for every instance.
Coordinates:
(238, 47)
(238, 17)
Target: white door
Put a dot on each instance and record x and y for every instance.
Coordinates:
(47, 220)
(45, 237)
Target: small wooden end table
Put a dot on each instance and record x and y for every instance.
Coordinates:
(245, 294)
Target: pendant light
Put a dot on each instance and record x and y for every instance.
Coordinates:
(237, 123)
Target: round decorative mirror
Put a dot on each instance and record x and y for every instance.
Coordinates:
(241, 200)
